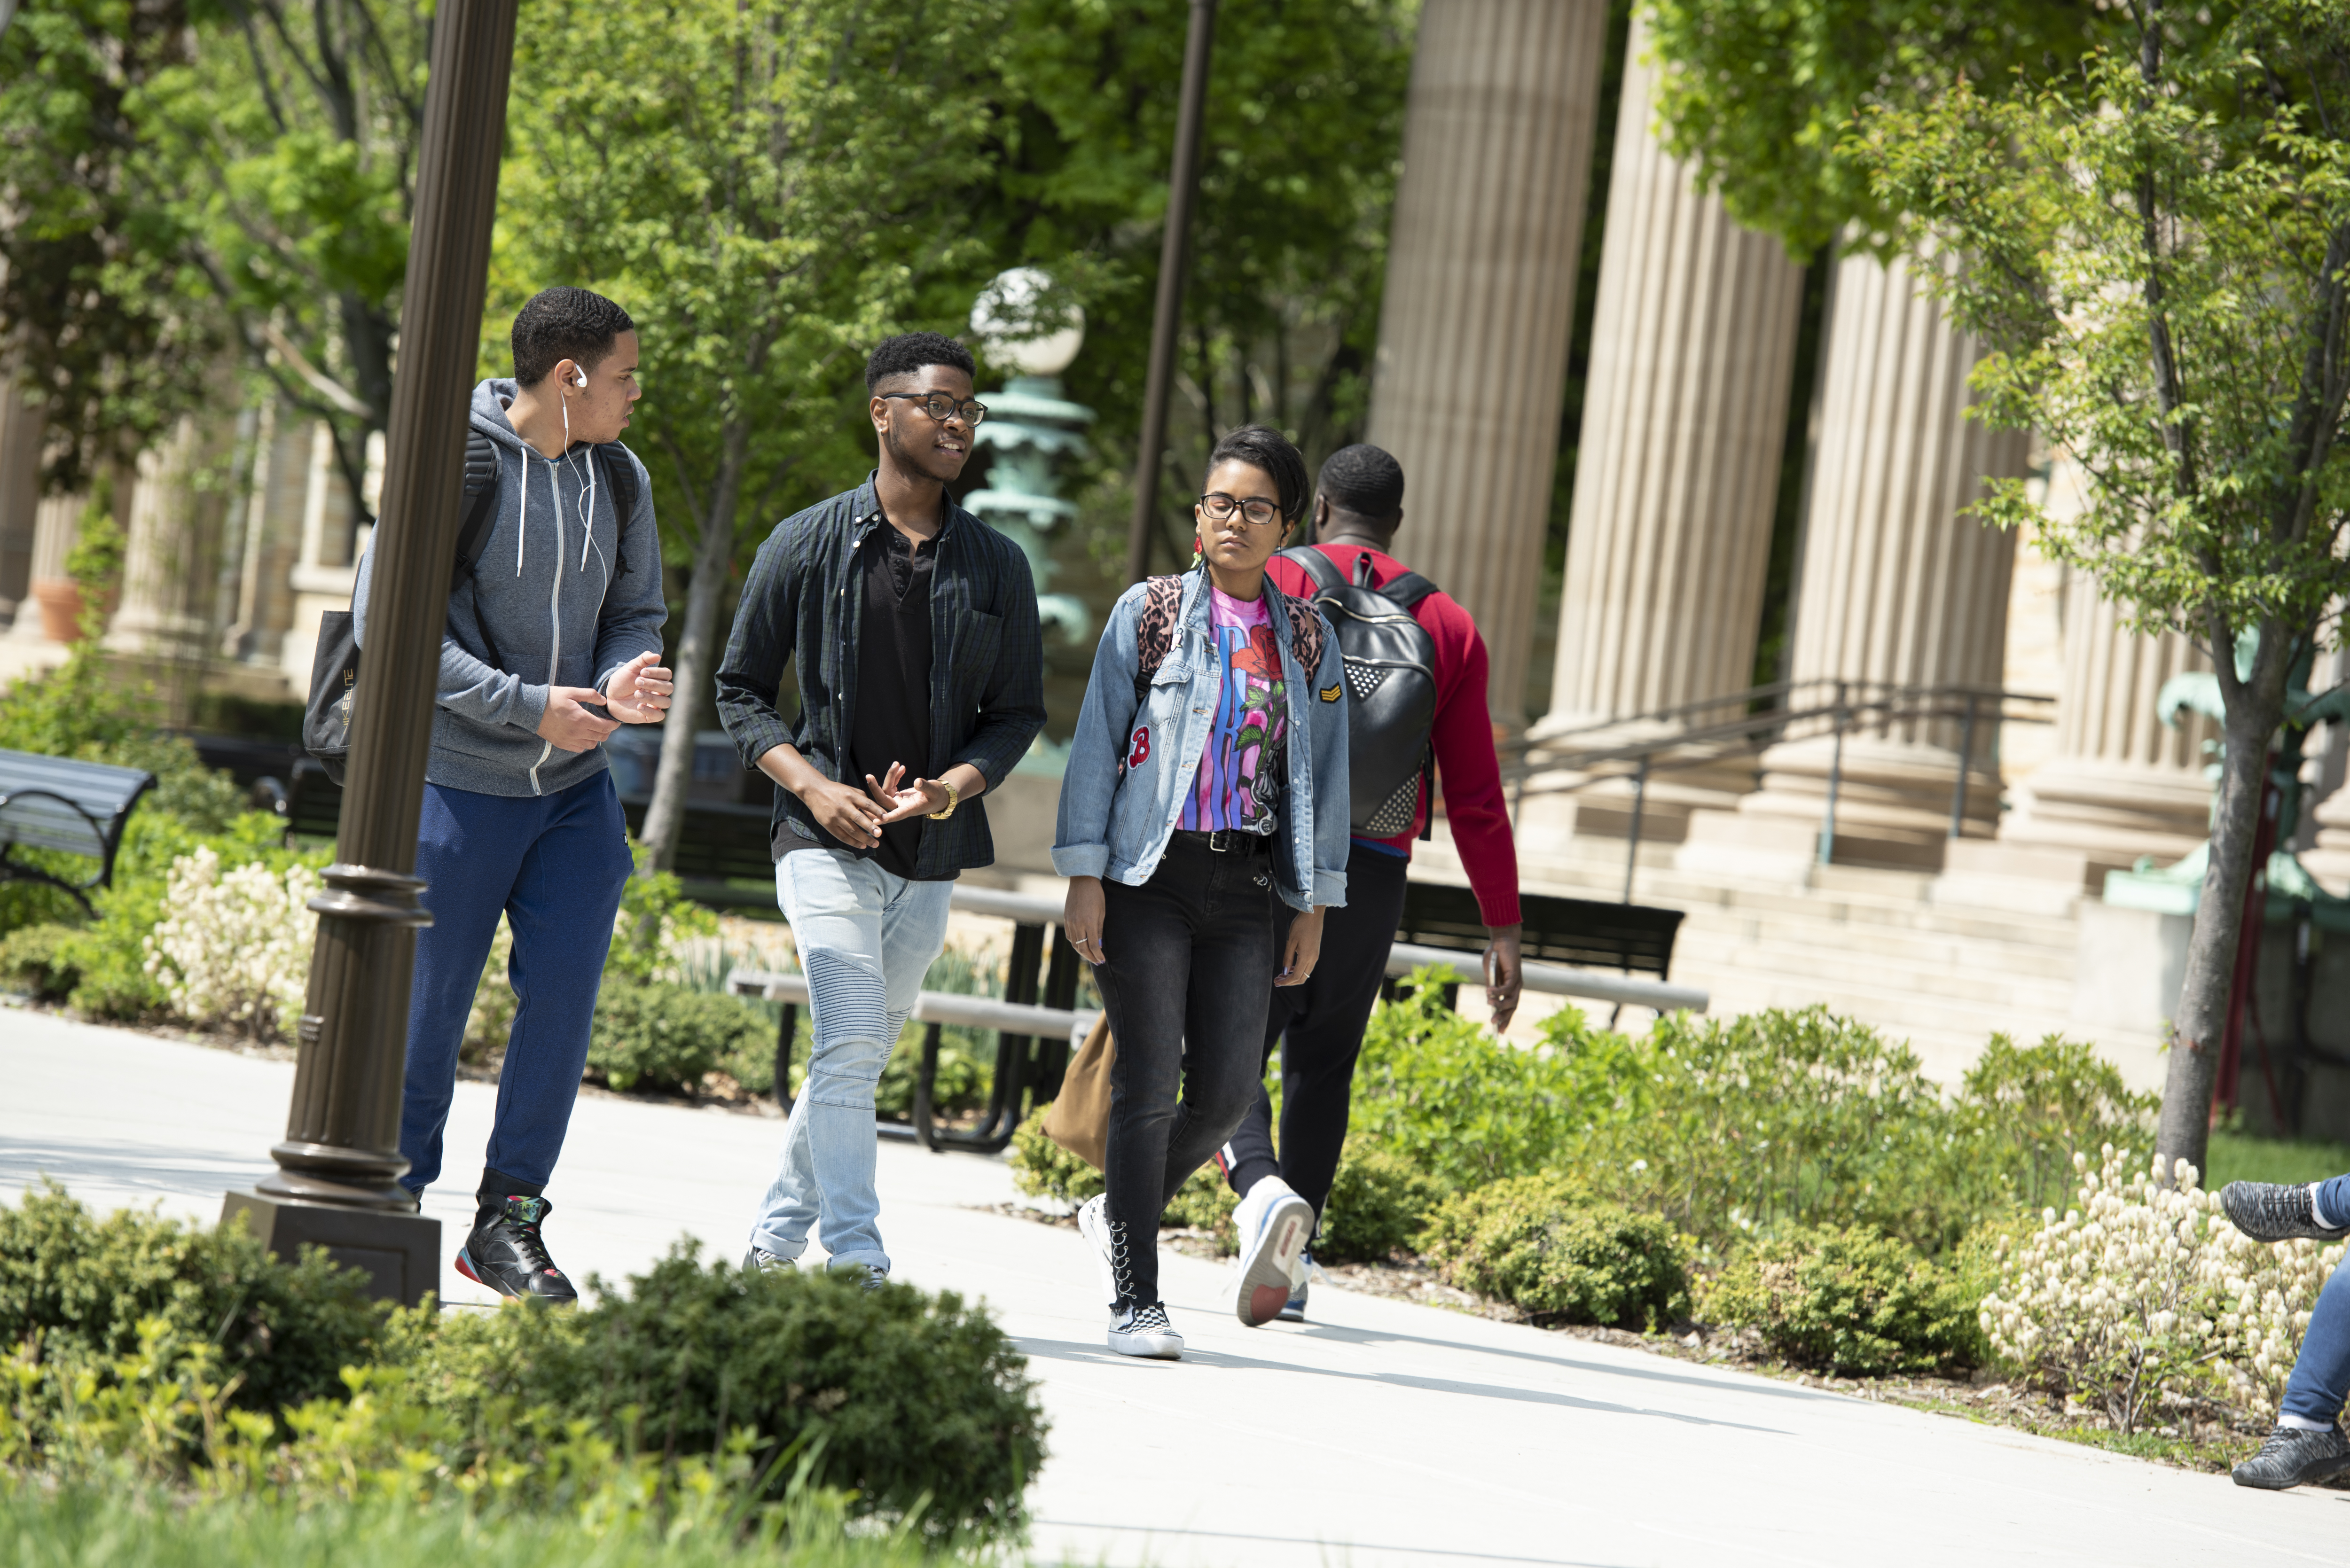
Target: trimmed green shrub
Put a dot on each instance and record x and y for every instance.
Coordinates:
(1455, 1102)
(662, 1038)
(33, 959)
(1544, 1245)
(1378, 1206)
(74, 1288)
(921, 1401)
(2024, 1111)
(1847, 1298)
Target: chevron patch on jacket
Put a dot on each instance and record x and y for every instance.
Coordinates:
(1330, 693)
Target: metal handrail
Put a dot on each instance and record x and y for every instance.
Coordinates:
(1847, 704)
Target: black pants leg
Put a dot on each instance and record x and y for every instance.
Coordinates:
(1187, 958)
(1319, 1027)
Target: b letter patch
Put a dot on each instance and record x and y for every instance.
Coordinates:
(1329, 693)
(1141, 751)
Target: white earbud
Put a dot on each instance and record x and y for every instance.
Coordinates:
(578, 377)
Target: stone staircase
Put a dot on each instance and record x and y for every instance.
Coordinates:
(1871, 944)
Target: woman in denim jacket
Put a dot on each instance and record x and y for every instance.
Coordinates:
(1207, 775)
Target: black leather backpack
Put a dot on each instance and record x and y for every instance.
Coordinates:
(1390, 663)
(335, 667)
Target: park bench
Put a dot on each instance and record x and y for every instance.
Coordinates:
(74, 807)
(1038, 1034)
(1441, 920)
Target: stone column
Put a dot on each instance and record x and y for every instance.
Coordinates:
(170, 557)
(1896, 589)
(2118, 783)
(1693, 355)
(20, 497)
(1480, 300)
(274, 512)
(327, 568)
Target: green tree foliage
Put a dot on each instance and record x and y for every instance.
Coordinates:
(98, 310)
(1759, 94)
(286, 151)
(766, 187)
(2159, 243)
(1302, 140)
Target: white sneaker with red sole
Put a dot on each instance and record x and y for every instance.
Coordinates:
(1275, 1225)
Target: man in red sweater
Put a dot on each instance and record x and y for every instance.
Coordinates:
(1319, 1024)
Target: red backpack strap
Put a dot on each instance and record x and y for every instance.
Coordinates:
(1154, 630)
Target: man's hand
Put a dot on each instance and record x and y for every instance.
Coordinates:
(844, 811)
(639, 692)
(1505, 973)
(1304, 949)
(569, 723)
(900, 800)
(1081, 917)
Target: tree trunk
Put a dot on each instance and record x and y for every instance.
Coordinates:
(697, 663)
(2203, 997)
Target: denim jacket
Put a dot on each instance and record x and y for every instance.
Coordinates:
(1131, 766)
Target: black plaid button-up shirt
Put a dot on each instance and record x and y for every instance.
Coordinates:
(804, 601)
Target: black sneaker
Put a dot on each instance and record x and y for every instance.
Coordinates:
(2268, 1213)
(509, 1255)
(2292, 1457)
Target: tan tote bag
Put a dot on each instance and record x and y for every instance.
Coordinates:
(1079, 1117)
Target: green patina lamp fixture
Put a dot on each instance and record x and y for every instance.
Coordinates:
(1032, 430)
(2176, 889)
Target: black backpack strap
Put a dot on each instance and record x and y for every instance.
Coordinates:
(1406, 589)
(621, 475)
(481, 504)
(1316, 565)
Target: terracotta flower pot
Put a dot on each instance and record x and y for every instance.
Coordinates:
(60, 602)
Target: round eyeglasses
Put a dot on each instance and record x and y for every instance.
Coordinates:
(942, 408)
(1219, 507)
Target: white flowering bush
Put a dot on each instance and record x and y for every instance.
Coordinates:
(2265, 1293)
(233, 947)
(2145, 1289)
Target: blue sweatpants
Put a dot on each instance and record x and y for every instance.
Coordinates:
(554, 865)
(2321, 1374)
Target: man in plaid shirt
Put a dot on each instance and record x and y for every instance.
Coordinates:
(922, 683)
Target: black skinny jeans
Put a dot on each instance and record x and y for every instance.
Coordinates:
(1319, 1028)
(1187, 956)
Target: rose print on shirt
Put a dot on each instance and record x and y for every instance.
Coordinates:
(1242, 773)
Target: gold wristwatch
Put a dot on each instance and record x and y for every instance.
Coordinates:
(955, 798)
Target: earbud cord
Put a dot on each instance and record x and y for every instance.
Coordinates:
(587, 491)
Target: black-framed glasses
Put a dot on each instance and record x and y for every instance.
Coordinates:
(942, 408)
(1219, 507)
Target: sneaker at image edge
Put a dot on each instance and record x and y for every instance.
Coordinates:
(509, 1254)
(2267, 1212)
(1145, 1331)
(759, 1260)
(2292, 1457)
(1275, 1224)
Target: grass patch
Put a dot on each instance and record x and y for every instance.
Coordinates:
(83, 1528)
(2240, 1157)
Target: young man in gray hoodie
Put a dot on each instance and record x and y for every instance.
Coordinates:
(553, 640)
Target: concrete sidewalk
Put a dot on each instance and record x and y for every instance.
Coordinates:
(1380, 1434)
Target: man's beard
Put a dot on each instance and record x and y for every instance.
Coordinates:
(924, 460)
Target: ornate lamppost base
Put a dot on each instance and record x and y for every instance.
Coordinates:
(401, 1252)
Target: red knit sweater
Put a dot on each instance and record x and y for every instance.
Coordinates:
(1469, 774)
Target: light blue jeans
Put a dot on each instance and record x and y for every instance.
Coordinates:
(866, 938)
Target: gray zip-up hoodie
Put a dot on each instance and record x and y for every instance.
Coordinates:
(553, 600)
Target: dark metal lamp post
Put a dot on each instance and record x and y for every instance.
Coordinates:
(338, 1182)
(1174, 253)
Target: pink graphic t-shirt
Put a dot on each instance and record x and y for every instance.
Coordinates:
(1243, 770)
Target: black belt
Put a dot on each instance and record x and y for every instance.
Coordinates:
(1228, 841)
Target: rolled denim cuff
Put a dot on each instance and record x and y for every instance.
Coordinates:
(1329, 888)
(1081, 859)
